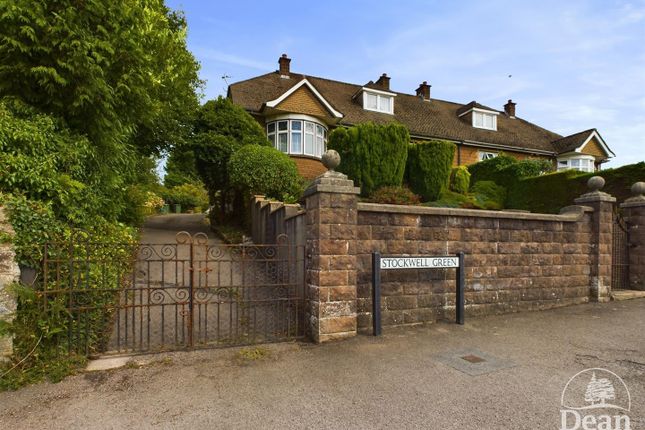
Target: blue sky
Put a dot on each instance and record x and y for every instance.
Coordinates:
(574, 65)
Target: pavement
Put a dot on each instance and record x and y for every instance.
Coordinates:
(422, 377)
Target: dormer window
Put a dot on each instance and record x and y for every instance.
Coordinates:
(479, 116)
(378, 101)
(484, 120)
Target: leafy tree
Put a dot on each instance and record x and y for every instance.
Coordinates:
(221, 129)
(113, 70)
(372, 155)
(180, 167)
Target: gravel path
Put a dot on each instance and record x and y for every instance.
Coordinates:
(400, 380)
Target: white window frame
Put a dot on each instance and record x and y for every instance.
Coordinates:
(583, 163)
(380, 95)
(486, 155)
(484, 116)
(318, 136)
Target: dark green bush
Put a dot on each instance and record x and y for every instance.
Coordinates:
(489, 195)
(506, 170)
(189, 195)
(488, 170)
(372, 155)
(429, 166)
(460, 180)
(550, 193)
(256, 169)
(395, 195)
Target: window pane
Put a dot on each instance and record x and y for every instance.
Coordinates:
(309, 144)
(272, 139)
(296, 125)
(488, 121)
(370, 101)
(296, 143)
(319, 130)
(283, 142)
(319, 146)
(385, 103)
(575, 163)
(282, 125)
(309, 127)
(563, 163)
(478, 119)
(271, 127)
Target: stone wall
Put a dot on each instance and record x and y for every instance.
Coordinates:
(514, 261)
(634, 213)
(9, 273)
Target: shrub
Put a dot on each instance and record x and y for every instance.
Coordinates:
(549, 193)
(256, 169)
(489, 195)
(372, 155)
(460, 180)
(395, 195)
(506, 170)
(488, 170)
(429, 165)
(189, 196)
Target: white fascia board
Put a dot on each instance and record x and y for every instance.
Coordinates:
(372, 90)
(600, 139)
(474, 109)
(274, 103)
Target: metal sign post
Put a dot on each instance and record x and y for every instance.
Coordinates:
(415, 262)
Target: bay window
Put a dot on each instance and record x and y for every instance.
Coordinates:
(297, 136)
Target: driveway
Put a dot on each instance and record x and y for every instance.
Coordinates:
(237, 293)
(404, 379)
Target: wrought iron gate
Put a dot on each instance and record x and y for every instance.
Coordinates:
(182, 295)
(620, 254)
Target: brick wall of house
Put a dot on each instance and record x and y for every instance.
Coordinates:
(308, 167)
(514, 261)
(303, 101)
(470, 155)
(593, 148)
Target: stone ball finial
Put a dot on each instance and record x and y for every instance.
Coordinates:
(595, 183)
(638, 189)
(331, 159)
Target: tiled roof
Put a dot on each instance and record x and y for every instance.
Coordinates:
(430, 119)
(570, 143)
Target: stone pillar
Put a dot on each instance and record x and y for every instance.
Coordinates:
(602, 237)
(331, 216)
(634, 213)
(9, 273)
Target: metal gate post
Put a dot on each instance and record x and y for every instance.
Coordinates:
(191, 292)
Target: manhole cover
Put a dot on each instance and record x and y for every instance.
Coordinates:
(472, 358)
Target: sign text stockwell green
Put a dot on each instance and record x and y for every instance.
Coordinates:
(418, 262)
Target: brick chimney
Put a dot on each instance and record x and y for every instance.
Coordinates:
(509, 108)
(384, 82)
(424, 91)
(284, 62)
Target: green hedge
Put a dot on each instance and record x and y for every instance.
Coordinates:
(460, 180)
(255, 169)
(506, 170)
(429, 167)
(550, 193)
(372, 155)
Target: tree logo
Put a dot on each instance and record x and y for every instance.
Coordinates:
(595, 399)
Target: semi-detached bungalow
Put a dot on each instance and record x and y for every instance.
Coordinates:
(297, 112)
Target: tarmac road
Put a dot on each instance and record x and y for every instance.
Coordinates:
(400, 380)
